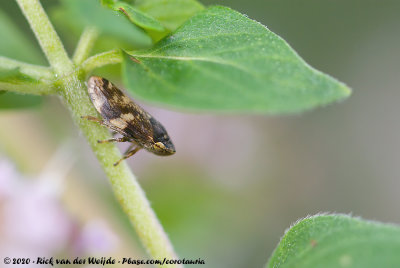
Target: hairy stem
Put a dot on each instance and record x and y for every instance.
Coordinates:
(43, 76)
(47, 36)
(102, 59)
(29, 88)
(34, 71)
(125, 186)
(85, 45)
(71, 86)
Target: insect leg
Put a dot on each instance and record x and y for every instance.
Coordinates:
(130, 147)
(127, 155)
(123, 139)
(92, 118)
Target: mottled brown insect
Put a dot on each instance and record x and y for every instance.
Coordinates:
(125, 117)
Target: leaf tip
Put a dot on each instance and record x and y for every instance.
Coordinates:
(346, 91)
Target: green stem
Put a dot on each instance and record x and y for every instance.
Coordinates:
(43, 76)
(29, 88)
(72, 89)
(47, 36)
(34, 71)
(125, 186)
(85, 45)
(102, 59)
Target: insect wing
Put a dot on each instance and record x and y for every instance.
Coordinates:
(118, 109)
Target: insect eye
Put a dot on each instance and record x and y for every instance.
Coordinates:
(160, 145)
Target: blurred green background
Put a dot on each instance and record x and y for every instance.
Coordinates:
(237, 182)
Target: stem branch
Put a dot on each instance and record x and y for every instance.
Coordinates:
(34, 71)
(28, 88)
(102, 59)
(85, 45)
(43, 76)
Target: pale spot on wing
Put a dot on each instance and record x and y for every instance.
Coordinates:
(98, 102)
(126, 99)
(96, 97)
(92, 82)
(128, 117)
(116, 98)
(119, 123)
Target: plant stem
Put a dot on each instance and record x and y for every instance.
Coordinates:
(34, 71)
(72, 89)
(29, 88)
(85, 45)
(125, 186)
(47, 36)
(102, 59)
(43, 75)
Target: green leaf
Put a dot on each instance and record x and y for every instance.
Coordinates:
(171, 13)
(338, 241)
(108, 3)
(109, 22)
(70, 31)
(10, 100)
(221, 60)
(14, 43)
(138, 17)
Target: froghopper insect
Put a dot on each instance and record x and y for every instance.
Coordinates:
(124, 116)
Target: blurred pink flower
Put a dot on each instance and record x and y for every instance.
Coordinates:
(7, 175)
(96, 238)
(34, 223)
